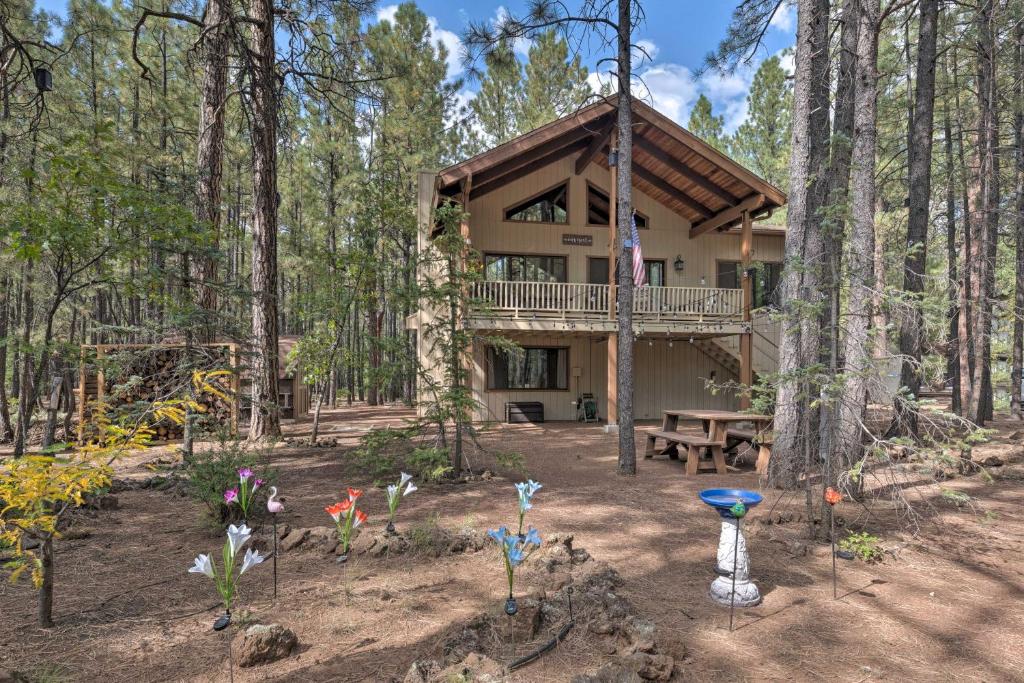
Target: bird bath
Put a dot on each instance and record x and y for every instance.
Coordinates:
(732, 548)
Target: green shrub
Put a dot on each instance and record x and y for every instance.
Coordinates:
(429, 464)
(212, 472)
(863, 545)
(376, 454)
(511, 461)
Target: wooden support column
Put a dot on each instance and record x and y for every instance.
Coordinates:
(613, 338)
(746, 339)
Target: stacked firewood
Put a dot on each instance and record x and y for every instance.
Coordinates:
(135, 379)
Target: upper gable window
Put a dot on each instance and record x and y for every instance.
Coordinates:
(550, 206)
(597, 209)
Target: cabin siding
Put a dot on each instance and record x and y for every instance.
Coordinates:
(666, 377)
(667, 237)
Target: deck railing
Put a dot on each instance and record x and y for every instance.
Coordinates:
(578, 300)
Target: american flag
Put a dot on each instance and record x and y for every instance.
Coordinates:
(639, 277)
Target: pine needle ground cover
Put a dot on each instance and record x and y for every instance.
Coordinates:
(937, 601)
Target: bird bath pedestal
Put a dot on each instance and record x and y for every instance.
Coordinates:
(727, 589)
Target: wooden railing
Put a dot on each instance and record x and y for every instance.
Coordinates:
(578, 300)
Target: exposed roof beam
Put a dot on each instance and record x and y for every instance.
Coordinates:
(589, 118)
(597, 143)
(671, 190)
(483, 189)
(527, 157)
(682, 169)
(727, 216)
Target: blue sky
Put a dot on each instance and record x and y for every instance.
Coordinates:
(677, 34)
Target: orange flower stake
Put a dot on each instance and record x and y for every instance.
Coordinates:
(832, 497)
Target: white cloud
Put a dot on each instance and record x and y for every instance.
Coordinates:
(785, 18)
(451, 41)
(673, 89)
(644, 52)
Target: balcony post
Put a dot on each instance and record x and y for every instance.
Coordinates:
(746, 339)
(613, 338)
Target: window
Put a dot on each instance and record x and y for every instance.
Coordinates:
(597, 209)
(597, 273)
(524, 268)
(767, 281)
(551, 206)
(539, 368)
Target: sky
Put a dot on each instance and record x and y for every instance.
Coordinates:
(677, 34)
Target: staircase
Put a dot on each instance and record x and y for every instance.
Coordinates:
(726, 350)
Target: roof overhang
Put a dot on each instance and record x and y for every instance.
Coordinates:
(670, 164)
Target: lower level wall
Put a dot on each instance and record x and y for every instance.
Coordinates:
(665, 377)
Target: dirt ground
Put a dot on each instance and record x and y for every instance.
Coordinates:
(944, 605)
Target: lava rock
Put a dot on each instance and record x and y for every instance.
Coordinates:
(475, 667)
(321, 539)
(294, 539)
(265, 643)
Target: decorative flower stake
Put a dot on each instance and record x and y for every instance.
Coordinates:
(274, 507)
(833, 497)
(395, 495)
(346, 518)
(526, 491)
(226, 579)
(517, 547)
(243, 493)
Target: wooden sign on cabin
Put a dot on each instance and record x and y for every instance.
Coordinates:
(577, 240)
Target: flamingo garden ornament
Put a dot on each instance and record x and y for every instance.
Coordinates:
(274, 507)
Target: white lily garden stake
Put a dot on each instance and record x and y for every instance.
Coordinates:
(226, 579)
(395, 495)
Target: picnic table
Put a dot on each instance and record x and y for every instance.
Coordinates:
(716, 438)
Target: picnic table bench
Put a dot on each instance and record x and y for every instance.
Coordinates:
(718, 437)
(695, 446)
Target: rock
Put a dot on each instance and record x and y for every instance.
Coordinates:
(526, 622)
(612, 672)
(996, 454)
(559, 539)
(421, 672)
(475, 667)
(322, 539)
(467, 541)
(639, 635)
(283, 530)
(651, 667)
(265, 643)
(382, 545)
(579, 556)
(294, 539)
(557, 581)
(487, 475)
(602, 626)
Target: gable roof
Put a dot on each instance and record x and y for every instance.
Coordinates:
(670, 164)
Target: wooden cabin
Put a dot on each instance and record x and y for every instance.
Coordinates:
(292, 390)
(540, 216)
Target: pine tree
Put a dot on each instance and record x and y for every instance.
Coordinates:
(705, 125)
(554, 84)
(498, 105)
(763, 140)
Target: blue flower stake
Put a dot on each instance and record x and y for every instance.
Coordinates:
(516, 548)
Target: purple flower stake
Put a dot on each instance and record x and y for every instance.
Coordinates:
(243, 493)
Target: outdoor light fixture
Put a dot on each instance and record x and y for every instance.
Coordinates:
(44, 79)
(670, 343)
(679, 264)
(613, 157)
(703, 282)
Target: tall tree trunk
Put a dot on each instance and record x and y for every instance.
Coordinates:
(210, 157)
(808, 160)
(45, 604)
(266, 418)
(6, 428)
(835, 228)
(856, 349)
(983, 210)
(919, 179)
(953, 290)
(1017, 354)
(624, 217)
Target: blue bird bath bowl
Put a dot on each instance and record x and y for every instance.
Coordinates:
(722, 500)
